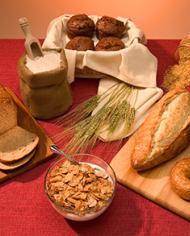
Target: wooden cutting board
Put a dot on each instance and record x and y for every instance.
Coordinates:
(43, 151)
(153, 184)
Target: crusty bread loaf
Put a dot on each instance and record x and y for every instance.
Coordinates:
(164, 133)
(8, 111)
(12, 166)
(16, 144)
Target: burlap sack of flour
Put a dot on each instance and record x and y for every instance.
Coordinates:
(47, 94)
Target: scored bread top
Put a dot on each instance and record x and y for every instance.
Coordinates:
(164, 133)
(16, 144)
(8, 111)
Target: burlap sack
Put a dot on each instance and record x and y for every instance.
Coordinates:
(47, 94)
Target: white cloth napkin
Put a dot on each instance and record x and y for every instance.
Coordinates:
(134, 64)
(146, 97)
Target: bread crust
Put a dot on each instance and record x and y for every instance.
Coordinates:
(144, 138)
(110, 44)
(17, 164)
(80, 25)
(8, 111)
(109, 26)
(180, 178)
(80, 43)
(16, 144)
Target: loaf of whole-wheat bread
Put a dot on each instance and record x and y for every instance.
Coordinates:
(14, 165)
(8, 111)
(17, 145)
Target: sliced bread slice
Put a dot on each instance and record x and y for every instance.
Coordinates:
(8, 111)
(16, 143)
(12, 166)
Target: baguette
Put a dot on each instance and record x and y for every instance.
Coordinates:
(164, 133)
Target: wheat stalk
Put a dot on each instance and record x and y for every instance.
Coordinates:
(83, 128)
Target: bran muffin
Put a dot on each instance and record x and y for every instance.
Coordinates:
(80, 43)
(80, 25)
(110, 44)
(109, 26)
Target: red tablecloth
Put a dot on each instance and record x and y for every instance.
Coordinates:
(24, 208)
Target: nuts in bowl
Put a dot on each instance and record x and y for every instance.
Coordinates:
(80, 192)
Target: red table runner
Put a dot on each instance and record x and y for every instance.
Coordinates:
(24, 208)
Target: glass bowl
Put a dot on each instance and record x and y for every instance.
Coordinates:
(98, 165)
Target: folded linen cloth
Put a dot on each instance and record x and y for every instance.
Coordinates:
(144, 98)
(134, 65)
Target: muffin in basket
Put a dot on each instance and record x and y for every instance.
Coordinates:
(80, 25)
(109, 26)
(80, 43)
(110, 44)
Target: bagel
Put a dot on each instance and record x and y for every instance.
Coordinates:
(180, 178)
